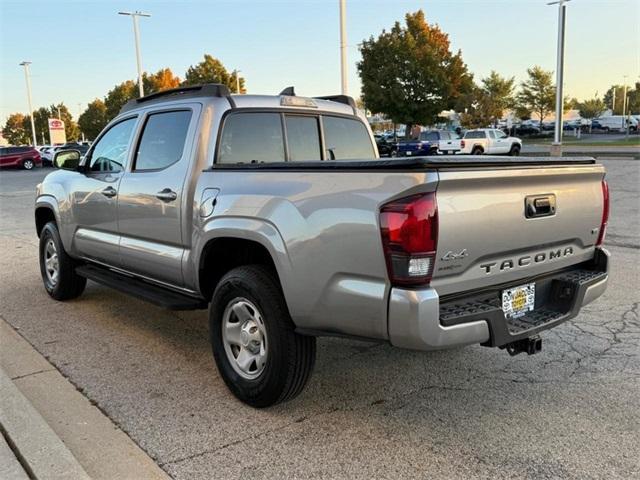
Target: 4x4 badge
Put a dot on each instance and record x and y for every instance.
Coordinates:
(455, 256)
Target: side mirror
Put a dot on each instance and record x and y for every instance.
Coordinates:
(67, 159)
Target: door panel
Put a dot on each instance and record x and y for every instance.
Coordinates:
(150, 200)
(95, 195)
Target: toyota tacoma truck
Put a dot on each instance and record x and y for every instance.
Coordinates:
(276, 214)
(490, 141)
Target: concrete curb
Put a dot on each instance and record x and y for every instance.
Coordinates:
(40, 451)
(99, 448)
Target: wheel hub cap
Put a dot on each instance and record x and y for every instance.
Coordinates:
(245, 338)
(51, 264)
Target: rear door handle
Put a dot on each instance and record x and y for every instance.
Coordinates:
(167, 195)
(540, 205)
(109, 192)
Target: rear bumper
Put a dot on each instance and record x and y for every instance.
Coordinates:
(420, 320)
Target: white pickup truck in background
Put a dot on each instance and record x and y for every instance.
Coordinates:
(490, 141)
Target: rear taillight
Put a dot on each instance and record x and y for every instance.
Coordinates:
(462, 143)
(409, 228)
(605, 212)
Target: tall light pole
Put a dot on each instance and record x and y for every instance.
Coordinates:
(556, 146)
(27, 77)
(136, 34)
(343, 46)
(624, 106)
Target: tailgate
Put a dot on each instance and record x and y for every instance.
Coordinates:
(485, 237)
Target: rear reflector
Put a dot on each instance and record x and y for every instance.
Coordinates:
(605, 213)
(409, 229)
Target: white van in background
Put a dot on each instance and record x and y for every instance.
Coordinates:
(617, 122)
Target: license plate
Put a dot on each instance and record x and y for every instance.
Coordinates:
(409, 153)
(517, 301)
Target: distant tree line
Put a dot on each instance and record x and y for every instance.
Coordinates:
(17, 129)
(410, 75)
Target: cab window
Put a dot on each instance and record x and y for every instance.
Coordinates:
(162, 141)
(303, 138)
(346, 138)
(252, 138)
(110, 152)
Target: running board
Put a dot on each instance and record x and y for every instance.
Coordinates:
(163, 297)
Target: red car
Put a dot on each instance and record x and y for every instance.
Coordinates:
(23, 157)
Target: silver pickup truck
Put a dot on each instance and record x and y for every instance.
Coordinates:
(276, 214)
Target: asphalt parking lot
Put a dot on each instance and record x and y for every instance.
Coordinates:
(572, 411)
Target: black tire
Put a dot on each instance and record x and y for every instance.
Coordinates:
(291, 356)
(477, 151)
(68, 284)
(515, 150)
(28, 164)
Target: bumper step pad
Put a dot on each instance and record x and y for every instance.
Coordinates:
(560, 299)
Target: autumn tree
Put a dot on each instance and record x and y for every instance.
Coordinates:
(93, 119)
(41, 119)
(14, 129)
(163, 79)
(211, 70)
(410, 74)
(538, 93)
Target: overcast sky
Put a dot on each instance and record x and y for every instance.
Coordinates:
(81, 49)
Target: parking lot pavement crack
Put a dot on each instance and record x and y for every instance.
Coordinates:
(32, 373)
(248, 438)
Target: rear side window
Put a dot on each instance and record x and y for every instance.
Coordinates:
(474, 134)
(252, 137)
(303, 138)
(345, 138)
(429, 136)
(162, 141)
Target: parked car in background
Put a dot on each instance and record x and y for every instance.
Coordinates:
(430, 142)
(22, 157)
(387, 145)
(490, 141)
(617, 123)
(525, 129)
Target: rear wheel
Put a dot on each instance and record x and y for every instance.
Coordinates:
(259, 355)
(28, 164)
(515, 150)
(57, 268)
(477, 151)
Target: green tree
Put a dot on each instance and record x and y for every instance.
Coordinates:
(522, 112)
(478, 112)
(499, 95)
(410, 74)
(538, 93)
(118, 96)
(14, 129)
(591, 109)
(41, 119)
(93, 119)
(211, 70)
(609, 98)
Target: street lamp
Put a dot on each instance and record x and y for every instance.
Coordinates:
(134, 16)
(556, 146)
(27, 77)
(343, 46)
(624, 106)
